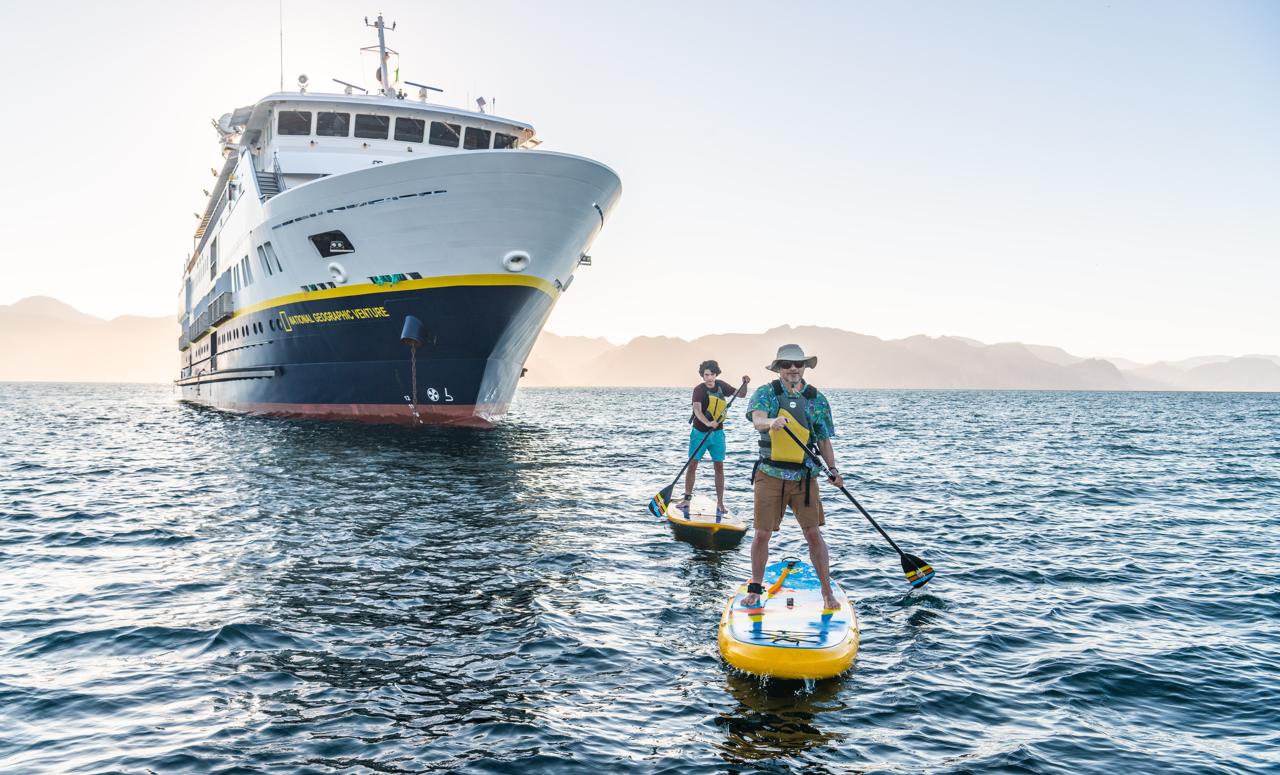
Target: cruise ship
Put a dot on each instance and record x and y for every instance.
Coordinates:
(378, 257)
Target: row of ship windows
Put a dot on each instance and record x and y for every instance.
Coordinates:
(407, 130)
(231, 335)
(242, 273)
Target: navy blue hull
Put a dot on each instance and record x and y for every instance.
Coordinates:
(342, 358)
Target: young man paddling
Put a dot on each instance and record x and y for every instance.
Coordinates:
(784, 476)
(710, 397)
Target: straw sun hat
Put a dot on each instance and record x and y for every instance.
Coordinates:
(793, 352)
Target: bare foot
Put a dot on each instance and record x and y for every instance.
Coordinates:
(752, 600)
(829, 601)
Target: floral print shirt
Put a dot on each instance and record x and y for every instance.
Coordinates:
(821, 423)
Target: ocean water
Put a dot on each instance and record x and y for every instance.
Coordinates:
(186, 590)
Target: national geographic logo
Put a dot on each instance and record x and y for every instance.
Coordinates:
(332, 316)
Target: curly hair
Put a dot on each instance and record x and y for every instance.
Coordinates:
(715, 367)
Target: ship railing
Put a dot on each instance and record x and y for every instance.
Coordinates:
(211, 218)
(199, 325)
(270, 182)
(220, 308)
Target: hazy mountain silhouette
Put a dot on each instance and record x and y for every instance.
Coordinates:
(848, 359)
(555, 360)
(1262, 373)
(43, 339)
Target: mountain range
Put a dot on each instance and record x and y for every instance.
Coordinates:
(851, 360)
(43, 339)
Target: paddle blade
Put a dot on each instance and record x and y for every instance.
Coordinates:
(658, 503)
(918, 571)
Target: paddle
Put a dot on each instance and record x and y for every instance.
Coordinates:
(658, 503)
(917, 570)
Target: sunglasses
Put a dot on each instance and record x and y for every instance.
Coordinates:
(791, 364)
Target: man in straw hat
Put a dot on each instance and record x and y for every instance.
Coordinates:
(783, 475)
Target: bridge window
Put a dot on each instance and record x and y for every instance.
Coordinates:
(504, 141)
(262, 256)
(410, 130)
(294, 122)
(372, 127)
(333, 124)
(445, 134)
(475, 139)
(332, 243)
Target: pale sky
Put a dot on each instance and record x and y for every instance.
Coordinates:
(1102, 176)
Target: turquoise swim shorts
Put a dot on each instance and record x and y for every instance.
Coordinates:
(715, 444)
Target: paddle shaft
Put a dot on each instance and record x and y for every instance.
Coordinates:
(847, 494)
(705, 438)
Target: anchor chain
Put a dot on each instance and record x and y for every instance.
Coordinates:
(413, 382)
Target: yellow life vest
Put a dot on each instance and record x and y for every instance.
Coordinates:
(777, 448)
(715, 406)
(783, 448)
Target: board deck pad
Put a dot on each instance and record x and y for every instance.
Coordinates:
(701, 527)
(790, 634)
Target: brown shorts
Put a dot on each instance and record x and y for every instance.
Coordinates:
(773, 496)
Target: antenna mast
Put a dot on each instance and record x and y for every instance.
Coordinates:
(382, 52)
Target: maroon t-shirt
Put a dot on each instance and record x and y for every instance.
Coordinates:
(700, 398)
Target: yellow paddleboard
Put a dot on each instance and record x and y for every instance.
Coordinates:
(789, 634)
(701, 527)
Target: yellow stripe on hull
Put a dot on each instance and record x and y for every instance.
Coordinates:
(363, 289)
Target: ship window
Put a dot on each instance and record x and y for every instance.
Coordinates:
(445, 134)
(332, 243)
(410, 130)
(504, 141)
(246, 271)
(294, 122)
(262, 256)
(333, 124)
(372, 127)
(475, 139)
(271, 256)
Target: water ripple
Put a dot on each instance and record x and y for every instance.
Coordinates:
(188, 590)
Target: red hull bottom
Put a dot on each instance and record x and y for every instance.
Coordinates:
(459, 415)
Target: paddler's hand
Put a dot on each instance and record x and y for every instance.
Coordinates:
(746, 380)
(777, 423)
(834, 477)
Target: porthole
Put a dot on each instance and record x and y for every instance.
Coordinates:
(516, 261)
